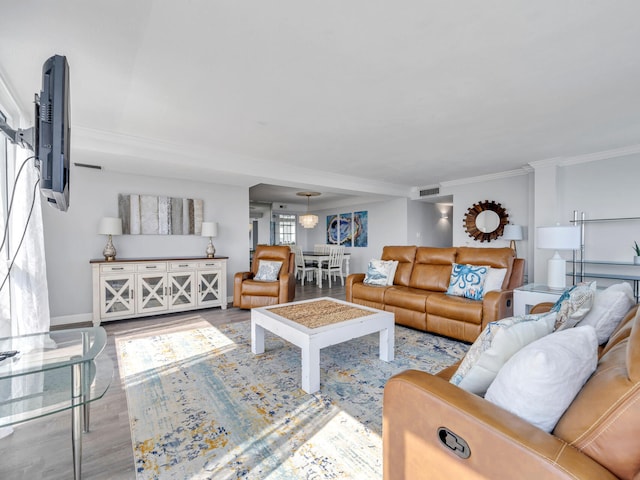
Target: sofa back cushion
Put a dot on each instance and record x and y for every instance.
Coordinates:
(432, 268)
(493, 257)
(604, 419)
(404, 255)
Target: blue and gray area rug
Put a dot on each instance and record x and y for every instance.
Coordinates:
(202, 406)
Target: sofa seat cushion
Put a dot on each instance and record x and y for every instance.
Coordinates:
(409, 298)
(455, 308)
(259, 288)
(369, 293)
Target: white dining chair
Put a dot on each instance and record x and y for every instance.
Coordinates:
(334, 265)
(321, 248)
(304, 269)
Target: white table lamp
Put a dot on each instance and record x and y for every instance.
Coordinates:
(210, 229)
(513, 233)
(110, 226)
(558, 238)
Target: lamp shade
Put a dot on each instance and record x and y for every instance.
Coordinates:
(110, 226)
(209, 229)
(559, 237)
(512, 232)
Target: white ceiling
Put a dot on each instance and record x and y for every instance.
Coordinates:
(351, 97)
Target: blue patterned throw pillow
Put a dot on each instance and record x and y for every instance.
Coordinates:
(268, 271)
(467, 281)
(377, 273)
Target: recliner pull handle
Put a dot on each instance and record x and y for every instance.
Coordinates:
(454, 442)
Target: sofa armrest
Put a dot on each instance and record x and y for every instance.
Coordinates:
(501, 445)
(351, 279)
(496, 304)
(543, 307)
(287, 287)
(238, 278)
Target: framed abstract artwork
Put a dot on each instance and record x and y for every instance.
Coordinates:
(160, 215)
(333, 233)
(348, 229)
(360, 229)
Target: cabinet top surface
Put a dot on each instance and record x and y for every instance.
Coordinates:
(158, 259)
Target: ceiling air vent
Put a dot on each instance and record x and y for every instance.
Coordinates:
(429, 191)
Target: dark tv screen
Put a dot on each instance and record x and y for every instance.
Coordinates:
(54, 132)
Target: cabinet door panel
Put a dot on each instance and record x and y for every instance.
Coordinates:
(116, 296)
(182, 289)
(152, 292)
(209, 287)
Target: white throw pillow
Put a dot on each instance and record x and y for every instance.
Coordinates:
(495, 346)
(268, 271)
(494, 279)
(392, 271)
(540, 381)
(609, 308)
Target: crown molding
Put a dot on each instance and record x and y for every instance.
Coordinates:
(587, 157)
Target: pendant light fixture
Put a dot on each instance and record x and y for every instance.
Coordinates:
(308, 220)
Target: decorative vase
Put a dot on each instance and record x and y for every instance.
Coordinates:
(636, 260)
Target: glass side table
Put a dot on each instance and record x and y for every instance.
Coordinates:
(52, 372)
(531, 294)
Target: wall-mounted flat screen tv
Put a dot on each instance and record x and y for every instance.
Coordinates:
(53, 132)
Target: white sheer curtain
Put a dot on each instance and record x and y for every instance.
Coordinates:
(29, 292)
(24, 297)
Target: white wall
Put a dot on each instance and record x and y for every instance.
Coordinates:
(602, 190)
(550, 193)
(71, 239)
(511, 191)
(426, 227)
(387, 226)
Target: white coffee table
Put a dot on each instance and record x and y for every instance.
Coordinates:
(290, 323)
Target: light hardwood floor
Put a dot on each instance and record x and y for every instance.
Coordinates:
(41, 448)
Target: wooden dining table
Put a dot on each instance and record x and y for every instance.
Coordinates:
(324, 257)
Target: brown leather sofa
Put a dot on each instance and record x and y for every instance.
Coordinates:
(418, 299)
(598, 436)
(249, 293)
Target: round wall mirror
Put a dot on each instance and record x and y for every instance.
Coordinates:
(485, 221)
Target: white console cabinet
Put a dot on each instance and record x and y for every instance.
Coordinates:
(140, 287)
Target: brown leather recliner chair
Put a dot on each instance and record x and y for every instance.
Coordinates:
(249, 293)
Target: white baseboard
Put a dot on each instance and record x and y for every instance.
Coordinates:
(71, 319)
(88, 317)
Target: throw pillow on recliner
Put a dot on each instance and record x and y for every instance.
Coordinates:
(574, 304)
(497, 343)
(609, 308)
(540, 381)
(268, 271)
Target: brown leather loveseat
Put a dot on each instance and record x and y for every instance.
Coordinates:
(597, 437)
(418, 299)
